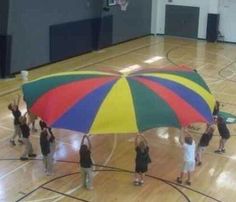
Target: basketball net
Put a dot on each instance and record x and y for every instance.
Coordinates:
(123, 4)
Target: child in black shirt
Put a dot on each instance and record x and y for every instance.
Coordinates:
(14, 108)
(142, 159)
(86, 163)
(25, 130)
(224, 133)
(203, 143)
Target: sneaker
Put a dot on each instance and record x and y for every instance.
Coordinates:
(32, 155)
(20, 141)
(188, 183)
(199, 163)
(218, 151)
(136, 182)
(90, 188)
(12, 142)
(141, 182)
(223, 150)
(24, 158)
(179, 180)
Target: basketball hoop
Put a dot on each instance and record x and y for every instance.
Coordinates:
(123, 4)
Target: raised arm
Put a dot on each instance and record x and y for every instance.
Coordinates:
(26, 118)
(182, 135)
(210, 128)
(186, 133)
(89, 142)
(48, 133)
(25, 114)
(207, 127)
(17, 100)
(82, 141)
(144, 139)
(136, 141)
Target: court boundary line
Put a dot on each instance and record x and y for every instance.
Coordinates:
(65, 195)
(219, 72)
(106, 161)
(14, 170)
(99, 170)
(115, 169)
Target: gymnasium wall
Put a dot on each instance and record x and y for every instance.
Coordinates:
(225, 8)
(227, 25)
(5, 40)
(30, 22)
(4, 4)
(134, 22)
(158, 25)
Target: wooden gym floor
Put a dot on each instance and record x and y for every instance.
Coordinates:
(114, 154)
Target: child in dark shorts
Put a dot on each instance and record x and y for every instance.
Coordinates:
(204, 142)
(86, 163)
(224, 133)
(14, 108)
(142, 159)
(25, 130)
